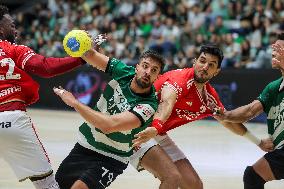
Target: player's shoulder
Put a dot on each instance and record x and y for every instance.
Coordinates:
(6, 42)
(116, 66)
(6, 45)
(181, 79)
(179, 75)
(179, 71)
(10, 46)
(274, 85)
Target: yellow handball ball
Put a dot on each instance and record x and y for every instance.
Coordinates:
(77, 42)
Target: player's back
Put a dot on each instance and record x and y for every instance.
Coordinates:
(15, 83)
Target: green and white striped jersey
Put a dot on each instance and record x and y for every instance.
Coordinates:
(272, 99)
(116, 98)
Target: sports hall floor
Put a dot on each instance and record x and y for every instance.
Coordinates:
(219, 156)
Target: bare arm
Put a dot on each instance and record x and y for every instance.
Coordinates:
(239, 129)
(96, 59)
(243, 113)
(168, 100)
(106, 123)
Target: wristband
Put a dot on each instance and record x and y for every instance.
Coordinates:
(158, 125)
(252, 138)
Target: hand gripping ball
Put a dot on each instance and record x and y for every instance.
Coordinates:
(77, 42)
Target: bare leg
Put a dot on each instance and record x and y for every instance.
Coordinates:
(263, 169)
(159, 163)
(190, 179)
(257, 175)
(79, 185)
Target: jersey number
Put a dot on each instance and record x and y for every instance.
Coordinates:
(9, 74)
(107, 181)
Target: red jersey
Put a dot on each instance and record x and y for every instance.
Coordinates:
(15, 83)
(190, 105)
(17, 62)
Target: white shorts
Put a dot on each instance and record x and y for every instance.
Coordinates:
(20, 146)
(167, 145)
(138, 155)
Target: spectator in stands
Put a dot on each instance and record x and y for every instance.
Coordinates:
(202, 21)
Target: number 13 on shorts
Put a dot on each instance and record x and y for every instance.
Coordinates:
(107, 177)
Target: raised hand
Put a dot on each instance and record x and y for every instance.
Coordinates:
(279, 58)
(98, 40)
(66, 96)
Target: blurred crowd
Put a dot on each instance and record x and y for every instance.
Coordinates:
(244, 29)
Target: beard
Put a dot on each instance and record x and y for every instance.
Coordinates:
(141, 83)
(200, 80)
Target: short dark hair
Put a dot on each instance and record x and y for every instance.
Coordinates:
(3, 10)
(155, 56)
(280, 36)
(214, 50)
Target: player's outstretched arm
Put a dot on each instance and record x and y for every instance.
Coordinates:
(106, 123)
(241, 114)
(50, 67)
(95, 58)
(168, 100)
(239, 129)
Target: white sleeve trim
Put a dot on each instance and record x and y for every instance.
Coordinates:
(27, 58)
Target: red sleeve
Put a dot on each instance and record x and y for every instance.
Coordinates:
(21, 54)
(33, 63)
(49, 67)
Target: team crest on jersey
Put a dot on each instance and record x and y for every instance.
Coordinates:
(189, 103)
(145, 110)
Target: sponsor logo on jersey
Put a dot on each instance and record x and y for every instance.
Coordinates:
(10, 90)
(189, 103)
(145, 110)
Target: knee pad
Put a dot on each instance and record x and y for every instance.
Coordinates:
(252, 180)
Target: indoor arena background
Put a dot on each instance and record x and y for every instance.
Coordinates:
(244, 29)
